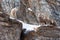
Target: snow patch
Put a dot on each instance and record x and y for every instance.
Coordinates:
(29, 9)
(27, 26)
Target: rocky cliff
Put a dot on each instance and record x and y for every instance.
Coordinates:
(36, 12)
(43, 33)
(29, 11)
(10, 29)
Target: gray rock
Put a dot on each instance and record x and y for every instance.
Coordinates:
(9, 29)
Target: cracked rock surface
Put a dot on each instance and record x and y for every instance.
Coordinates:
(9, 29)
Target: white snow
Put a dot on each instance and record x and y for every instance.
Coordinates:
(29, 9)
(27, 26)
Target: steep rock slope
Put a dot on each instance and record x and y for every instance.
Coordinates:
(10, 29)
(29, 11)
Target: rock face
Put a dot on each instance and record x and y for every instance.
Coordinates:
(36, 12)
(9, 29)
(43, 33)
(30, 10)
(46, 8)
(49, 31)
(55, 9)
